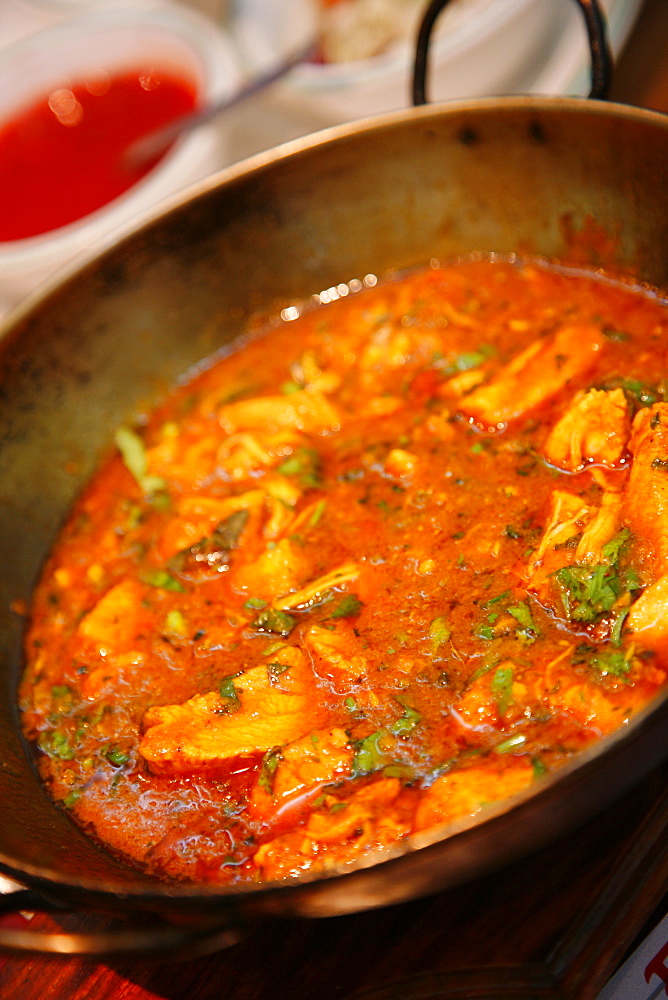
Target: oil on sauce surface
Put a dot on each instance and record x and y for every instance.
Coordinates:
(386, 564)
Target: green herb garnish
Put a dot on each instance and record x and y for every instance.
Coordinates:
(133, 454)
(304, 465)
(587, 591)
(369, 754)
(272, 620)
(228, 693)
(163, 580)
(407, 722)
(270, 763)
(348, 607)
(502, 688)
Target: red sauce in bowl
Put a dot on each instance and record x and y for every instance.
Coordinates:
(62, 157)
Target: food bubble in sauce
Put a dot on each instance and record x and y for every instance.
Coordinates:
(385, 564)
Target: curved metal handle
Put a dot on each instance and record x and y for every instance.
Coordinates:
(191, 940)
(601, 58)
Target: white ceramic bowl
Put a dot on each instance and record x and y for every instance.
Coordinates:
(480, 47)
(171, 39)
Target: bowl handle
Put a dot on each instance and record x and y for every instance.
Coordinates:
(147, 936)
(601, 58)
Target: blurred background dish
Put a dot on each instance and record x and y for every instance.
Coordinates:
(364, 68)
(366, 47)
(71, 95)
(482, 47)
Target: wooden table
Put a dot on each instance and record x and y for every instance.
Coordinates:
(551, 928)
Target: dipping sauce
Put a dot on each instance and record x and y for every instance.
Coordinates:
(62, 157)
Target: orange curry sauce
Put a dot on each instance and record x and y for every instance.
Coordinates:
(381, 566)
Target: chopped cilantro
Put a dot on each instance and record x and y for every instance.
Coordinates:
(620, 336)
(613, 663)
(289, 387)
(637, 393)
(228, 693)
(275, 669)
(618, 619)
(587, 591)
(522, 614)
(539, 768)
(502, 688)
(303, 464)
(254, 604)
(399, 771)
(56, 744)
(407, 722)
(612, 549)
(512, 743)
(485, 632)
(348, 607)
(116, 757)
(133, 454)
(497, 599)
(318, 511)
(272, 620)
(163, 580)
(369, 754)
(72, 798)
(270, 763)
(211, 553)
(61, 692)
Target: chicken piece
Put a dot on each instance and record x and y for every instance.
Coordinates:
(278, 571)
(588, 705)
(381, 406)
(362, 809)
(647, 489)
(282, 495)
(302, 410)
(176, 461)
(274, 706)
(492, 698)
(343, 829)
(118, 618)
(303, 769)
(535, 375)
(308, 373)
(649, 614)
(198, 516)
(316, 590)
(595, 428)
(464, 792)
(464, 382)
(242, 454)
(591, 707)
(105, 678)
(603, 526)
(336, 651)
(389, 348)
(570, 518)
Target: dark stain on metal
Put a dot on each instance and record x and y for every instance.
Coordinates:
(468, 136)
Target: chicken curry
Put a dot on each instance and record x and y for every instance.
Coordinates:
(393, 559)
